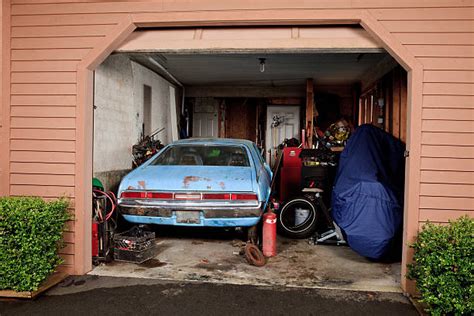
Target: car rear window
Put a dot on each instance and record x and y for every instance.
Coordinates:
(203, 155)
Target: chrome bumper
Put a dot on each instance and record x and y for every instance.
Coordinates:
(208, 210)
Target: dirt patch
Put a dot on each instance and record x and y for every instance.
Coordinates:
(334, 282)
(214, 266)
(152, 263)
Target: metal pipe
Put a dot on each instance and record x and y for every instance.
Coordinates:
(176, 81)
(173, 78)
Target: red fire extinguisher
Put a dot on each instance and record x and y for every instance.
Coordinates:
(269, 234)
(95, 239)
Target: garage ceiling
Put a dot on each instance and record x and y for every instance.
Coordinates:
(280, 69)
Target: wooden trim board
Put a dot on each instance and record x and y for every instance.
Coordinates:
(51, 281)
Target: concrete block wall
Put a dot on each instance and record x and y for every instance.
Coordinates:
(118, 114)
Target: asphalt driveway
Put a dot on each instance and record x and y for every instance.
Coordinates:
(92, 295)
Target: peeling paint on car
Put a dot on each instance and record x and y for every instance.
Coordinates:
(189, 179)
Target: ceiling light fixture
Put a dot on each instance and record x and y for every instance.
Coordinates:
(262, 64)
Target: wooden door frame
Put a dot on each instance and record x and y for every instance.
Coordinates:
(294, 17)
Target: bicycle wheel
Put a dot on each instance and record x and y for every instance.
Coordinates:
(298, 219)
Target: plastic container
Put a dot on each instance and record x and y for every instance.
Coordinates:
(135, 256)
(134, 245)
(301, 215)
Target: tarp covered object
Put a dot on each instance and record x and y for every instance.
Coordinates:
(367, 199)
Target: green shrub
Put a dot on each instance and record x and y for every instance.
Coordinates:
(443, 266)
(30, 236)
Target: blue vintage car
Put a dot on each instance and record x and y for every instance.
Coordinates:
(198, 182)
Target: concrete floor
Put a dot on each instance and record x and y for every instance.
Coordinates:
(298, 264)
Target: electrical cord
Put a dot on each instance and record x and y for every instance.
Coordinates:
(113, 202)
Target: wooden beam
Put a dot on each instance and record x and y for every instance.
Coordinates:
(318, 39)
(388, 105)
(403, 106)
(369, 109)
(362, 110)
(355, 91)
(309, 111)
(396, 103)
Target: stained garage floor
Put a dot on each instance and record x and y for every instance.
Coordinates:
(298, 264)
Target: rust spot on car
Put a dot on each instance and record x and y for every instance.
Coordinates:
(142, 184)
(222, 185)
(131, 187)
(187, 180)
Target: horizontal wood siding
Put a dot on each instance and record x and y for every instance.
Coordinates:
(50, 37)
(443, 40)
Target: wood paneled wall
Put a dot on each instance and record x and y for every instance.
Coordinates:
(50, 37)
(240, 118)
(385, 104)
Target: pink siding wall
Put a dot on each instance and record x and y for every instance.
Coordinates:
(50, 37)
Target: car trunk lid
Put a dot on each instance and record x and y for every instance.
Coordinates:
(193, 178)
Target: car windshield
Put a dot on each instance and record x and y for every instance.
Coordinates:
(203, 155)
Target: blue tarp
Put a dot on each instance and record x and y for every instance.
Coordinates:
(367, 199)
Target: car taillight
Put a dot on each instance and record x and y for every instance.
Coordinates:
(244, 197)
(216, 196)
(133, 195)
(187, 196)
(160, 195)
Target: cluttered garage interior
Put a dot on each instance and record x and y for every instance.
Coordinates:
(252, 155)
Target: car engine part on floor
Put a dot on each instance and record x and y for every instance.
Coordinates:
(254, 256)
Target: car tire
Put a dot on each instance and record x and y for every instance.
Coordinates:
(253, 234)
(287, 222)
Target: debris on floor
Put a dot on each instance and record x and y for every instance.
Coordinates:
(254, 256)
(298, 264)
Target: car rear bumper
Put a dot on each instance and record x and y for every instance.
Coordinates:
(205, 222)
(209, 216)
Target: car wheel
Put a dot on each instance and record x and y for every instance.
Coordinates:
(298, 219)
(252, 235)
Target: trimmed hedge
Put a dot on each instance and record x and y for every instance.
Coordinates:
(30, 236)
(443, 267)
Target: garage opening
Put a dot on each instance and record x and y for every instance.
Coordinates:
(253, 84)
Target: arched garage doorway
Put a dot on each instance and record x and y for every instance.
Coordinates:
(256, 18)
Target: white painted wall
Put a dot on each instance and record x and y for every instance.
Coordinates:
(118, 114)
